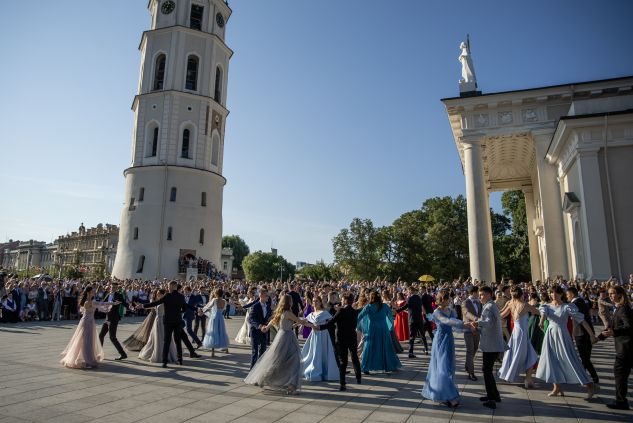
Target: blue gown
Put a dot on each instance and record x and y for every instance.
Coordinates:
(559, 361)
(439, 385)
(216, 335)
(318, 359)
(521, 355)
(378, 350)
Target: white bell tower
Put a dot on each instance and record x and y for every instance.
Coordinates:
(174, 186)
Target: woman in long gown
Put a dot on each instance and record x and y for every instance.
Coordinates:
(84, 350)
(376, 322)
(279, 368)
(216, 336)
(386, 299)
(520, 357)
(318, 359)
(244, 334)
(559, 361)
(402, 320)
(439, 385)
(153, 350)
(138, 339)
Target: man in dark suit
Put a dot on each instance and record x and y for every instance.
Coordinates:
(201, 318)
(175, 305)
(113, 317)
(189, 315)
(258, 318)
(622, 333)
(582, 338)
(427, 306)
(297, 303)
(345, 321)
(416, 319)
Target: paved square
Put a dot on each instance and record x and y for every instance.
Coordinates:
(34, 387)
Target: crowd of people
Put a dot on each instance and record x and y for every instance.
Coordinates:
(542, 330)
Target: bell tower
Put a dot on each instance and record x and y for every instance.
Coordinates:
(174, 186)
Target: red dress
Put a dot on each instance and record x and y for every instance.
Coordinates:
(402, 323)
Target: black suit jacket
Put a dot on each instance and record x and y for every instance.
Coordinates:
(175, 305)
(623, 330)
(256, 317)
(345, 321)
(113, 314)
(195, 301)
(414, 306)
(579, 331)
(427, 303)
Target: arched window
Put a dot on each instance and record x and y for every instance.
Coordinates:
(203, 200)
(184, 150)
(159, 72)
(215, 150)
(136, 233)
(191, 82)
(172, 196)
(141, 264)
(169, 233)
(201, 237)
(154, 142)
(218, 85)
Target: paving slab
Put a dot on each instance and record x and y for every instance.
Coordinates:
(34, 387)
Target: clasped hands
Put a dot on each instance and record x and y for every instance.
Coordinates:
(473, 326)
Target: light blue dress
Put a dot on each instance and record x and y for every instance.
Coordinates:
(378, 351)
(559, 361)
(521, 355)
(216, 335)
(439, 385)
(318, 359)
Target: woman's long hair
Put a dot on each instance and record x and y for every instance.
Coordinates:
(85, 295)
(374, 298)
(284, 305)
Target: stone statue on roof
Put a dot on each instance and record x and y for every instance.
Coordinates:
(468, 82)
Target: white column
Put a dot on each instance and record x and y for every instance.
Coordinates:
(551, 208)
(530, 211)
(479, 225)
(593, 220)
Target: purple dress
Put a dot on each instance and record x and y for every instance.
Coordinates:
(306, 331)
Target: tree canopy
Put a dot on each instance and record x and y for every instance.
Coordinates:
(240, 249)
(432, 240)
(261, 266)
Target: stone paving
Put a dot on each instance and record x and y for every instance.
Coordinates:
(35, 388)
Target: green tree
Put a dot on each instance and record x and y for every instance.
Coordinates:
(239, 246)
(446, 237)
(512, 249)
(408, 238)
(318, 271)
(357, 249)
(260, 266)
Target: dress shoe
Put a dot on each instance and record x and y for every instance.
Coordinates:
(412, 356)
(490, 404)
(342, 388)
(618, 406)
(180, 361)
(123, 357)
(472, 377)
(194, 355)
(358, 381)
(164, 365)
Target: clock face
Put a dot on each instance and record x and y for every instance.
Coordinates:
(168, 7)
(220, 20)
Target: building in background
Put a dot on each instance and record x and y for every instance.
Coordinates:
(91, 249)
(174, 186)
(569, 148)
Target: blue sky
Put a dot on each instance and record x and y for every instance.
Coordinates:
(335, 105)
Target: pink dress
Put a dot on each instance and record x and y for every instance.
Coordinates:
(84, 350)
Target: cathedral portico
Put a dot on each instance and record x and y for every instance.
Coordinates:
(548, 143)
